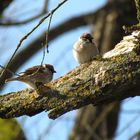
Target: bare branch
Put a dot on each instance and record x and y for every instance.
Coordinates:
(14, 23)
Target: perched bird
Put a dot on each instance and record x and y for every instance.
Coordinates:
(84, 50)
(35, 75)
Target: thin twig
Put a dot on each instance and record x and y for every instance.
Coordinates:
(10, 23)
(46, 41)
(43, 57)
(47, 33)
(45, 9)
(46, 44)
(13, 23)
(25, 37)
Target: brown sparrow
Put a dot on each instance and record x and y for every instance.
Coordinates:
(35, 75)
(84, 50)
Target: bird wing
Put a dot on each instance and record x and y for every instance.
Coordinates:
(31, 70)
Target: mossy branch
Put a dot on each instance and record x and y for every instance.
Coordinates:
(137, 2)
(114, 77)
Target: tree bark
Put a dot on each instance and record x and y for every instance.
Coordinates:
(104, 80)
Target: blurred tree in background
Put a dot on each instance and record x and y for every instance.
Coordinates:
(105, 24)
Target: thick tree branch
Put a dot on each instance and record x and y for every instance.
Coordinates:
(114, 77)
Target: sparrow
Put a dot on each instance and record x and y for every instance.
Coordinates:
(35, 76)
(84, 50)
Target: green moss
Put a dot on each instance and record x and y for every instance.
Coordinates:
(117, 78)
(97, 88)
(129, 75)
(137, 2)
(10, 129)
